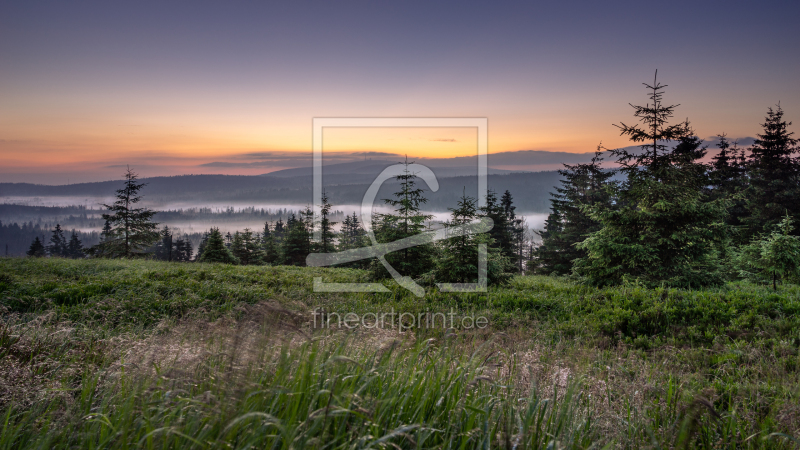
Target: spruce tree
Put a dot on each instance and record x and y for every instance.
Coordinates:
(164, 247)
(183, 249)
(458, 256)
(327, 234)
(774, 257)
(296, 243)
(353, 235)
(406, 221)
(774, 175)
(58, 243)
(271, 255)
(202, 246)
(107, 234)
(132, 230)
(74, 246)
(583, 185)
(664, 231)
(500, 233)
(215, 249)
(550, 255)
(237, 248)
(247, 248)
(515, 232)
(36, 249)
(728, 179)
(280, 230)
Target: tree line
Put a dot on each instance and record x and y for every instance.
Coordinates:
(15, 239)
(666, 217)
(450, 260)
(130, 231)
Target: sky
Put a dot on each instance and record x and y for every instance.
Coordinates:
(183, 87)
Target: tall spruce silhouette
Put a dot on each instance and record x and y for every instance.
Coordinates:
(327, 233)
(774, 175)
(654, 131)
(58, 243)
(569, 223)
(75, 247)
(36, 249)
(215, 249)
(664, 231)
(132, 228)
(406, 220)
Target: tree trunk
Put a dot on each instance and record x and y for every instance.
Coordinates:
(774, 282)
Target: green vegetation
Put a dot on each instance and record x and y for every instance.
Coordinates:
(134, 353)
(671, 219)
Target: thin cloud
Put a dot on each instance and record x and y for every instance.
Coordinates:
(306, 156)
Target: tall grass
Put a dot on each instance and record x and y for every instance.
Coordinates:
(315, 395)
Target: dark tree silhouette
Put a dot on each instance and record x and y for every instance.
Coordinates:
(406, 221)
(774, 175)
(215, 249)
(75, 247)
(58, 243)
(132, 230)
(663, 230)
(327, 235)
(36, 249)
(583, 185)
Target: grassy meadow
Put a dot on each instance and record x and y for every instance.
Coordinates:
(144, 354)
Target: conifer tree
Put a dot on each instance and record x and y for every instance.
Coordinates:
(774, 175)
(271, 255)
(36, 249)
(215, 249)
(515, 232)
(74, 246)
(353, 235)
(164, 247)
(664, 230)
(583, 185)
(296, 243)
(183, 249)
(107, 234)
(237, 248)
(58, 243)
(132, 229)
(458, 256)
(247, 248)
(406, 221)
(327, 234)
(280, 230)
(501, 230)
(290, 221)
(202, 246)
(728, 179)
(776, 256)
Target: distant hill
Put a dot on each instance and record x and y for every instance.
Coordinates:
(155, 186)
(530, 189)
(357, 172)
